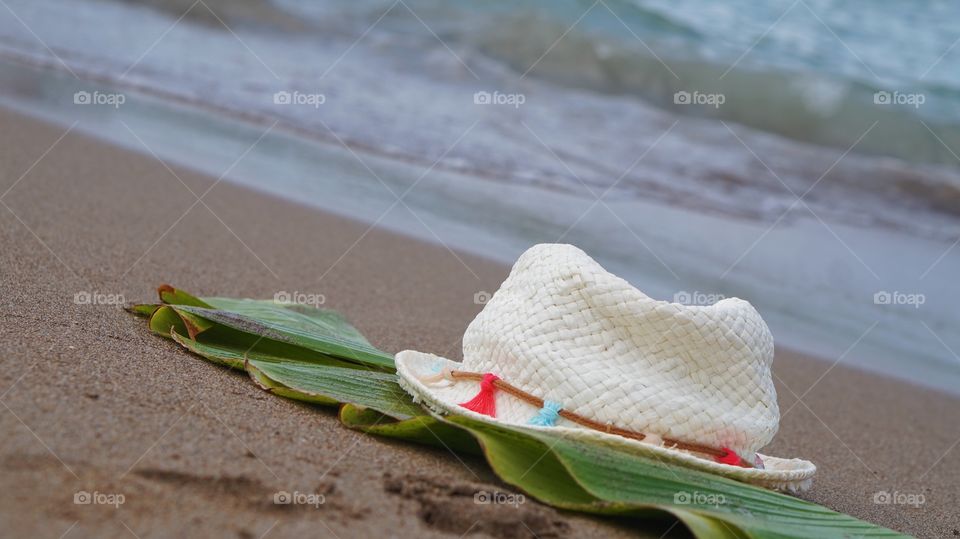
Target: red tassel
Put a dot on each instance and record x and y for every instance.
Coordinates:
(484, 403)
(728, 457)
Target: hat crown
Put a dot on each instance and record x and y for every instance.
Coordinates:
(563, 328)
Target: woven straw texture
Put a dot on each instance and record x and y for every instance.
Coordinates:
(564, 329)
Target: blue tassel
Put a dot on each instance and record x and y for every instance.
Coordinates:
(547, 416)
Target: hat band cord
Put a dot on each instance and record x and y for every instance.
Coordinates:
(484, 403)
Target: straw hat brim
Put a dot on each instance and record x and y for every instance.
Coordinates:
(788, 475)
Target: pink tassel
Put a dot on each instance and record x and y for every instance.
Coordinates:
(485, 402)
(729, 457)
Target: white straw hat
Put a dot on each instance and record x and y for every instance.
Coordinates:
(567, 346)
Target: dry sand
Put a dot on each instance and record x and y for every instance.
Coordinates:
(92, 401)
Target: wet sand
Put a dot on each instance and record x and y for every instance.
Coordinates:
(91, 401)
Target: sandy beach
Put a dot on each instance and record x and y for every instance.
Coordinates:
(91, 401)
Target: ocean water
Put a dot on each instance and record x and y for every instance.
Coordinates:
(806, 69)
(836, 213)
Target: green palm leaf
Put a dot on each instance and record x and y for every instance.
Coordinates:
(316, 356)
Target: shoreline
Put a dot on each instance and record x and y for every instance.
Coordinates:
(807, 305)
(94, 402)
(289, 128)
(311, 136)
